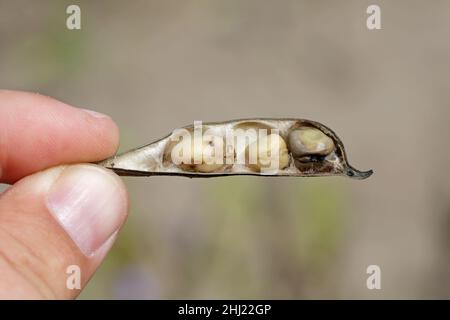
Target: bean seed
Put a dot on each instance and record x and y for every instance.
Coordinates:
(205, 152)
(271, 152)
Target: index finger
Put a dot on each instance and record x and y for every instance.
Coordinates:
(38, 132)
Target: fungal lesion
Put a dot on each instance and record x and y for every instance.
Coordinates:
(265, 147)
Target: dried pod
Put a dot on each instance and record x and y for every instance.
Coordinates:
(278, 147)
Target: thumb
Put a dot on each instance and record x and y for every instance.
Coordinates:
(56, 226)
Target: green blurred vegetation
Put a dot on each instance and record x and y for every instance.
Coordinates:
(247, 240)
(51, 55)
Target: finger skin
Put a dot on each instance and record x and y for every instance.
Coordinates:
(35, 251)
(38, 132)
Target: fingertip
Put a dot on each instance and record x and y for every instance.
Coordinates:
(90, 203)
(107, 133)
(40, 132)
(60, 217)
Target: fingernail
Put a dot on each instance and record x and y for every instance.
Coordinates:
(95, 114)
(89, 203)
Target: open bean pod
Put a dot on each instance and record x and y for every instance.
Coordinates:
(263, 147)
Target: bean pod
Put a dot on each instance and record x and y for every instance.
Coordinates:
(264, 147)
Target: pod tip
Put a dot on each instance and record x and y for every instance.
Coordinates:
(356, 174)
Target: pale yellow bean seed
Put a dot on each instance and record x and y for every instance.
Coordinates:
(267, 147)
(205, 152)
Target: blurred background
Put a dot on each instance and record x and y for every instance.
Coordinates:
(157, 65)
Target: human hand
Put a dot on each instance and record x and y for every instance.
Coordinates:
(57, 213)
